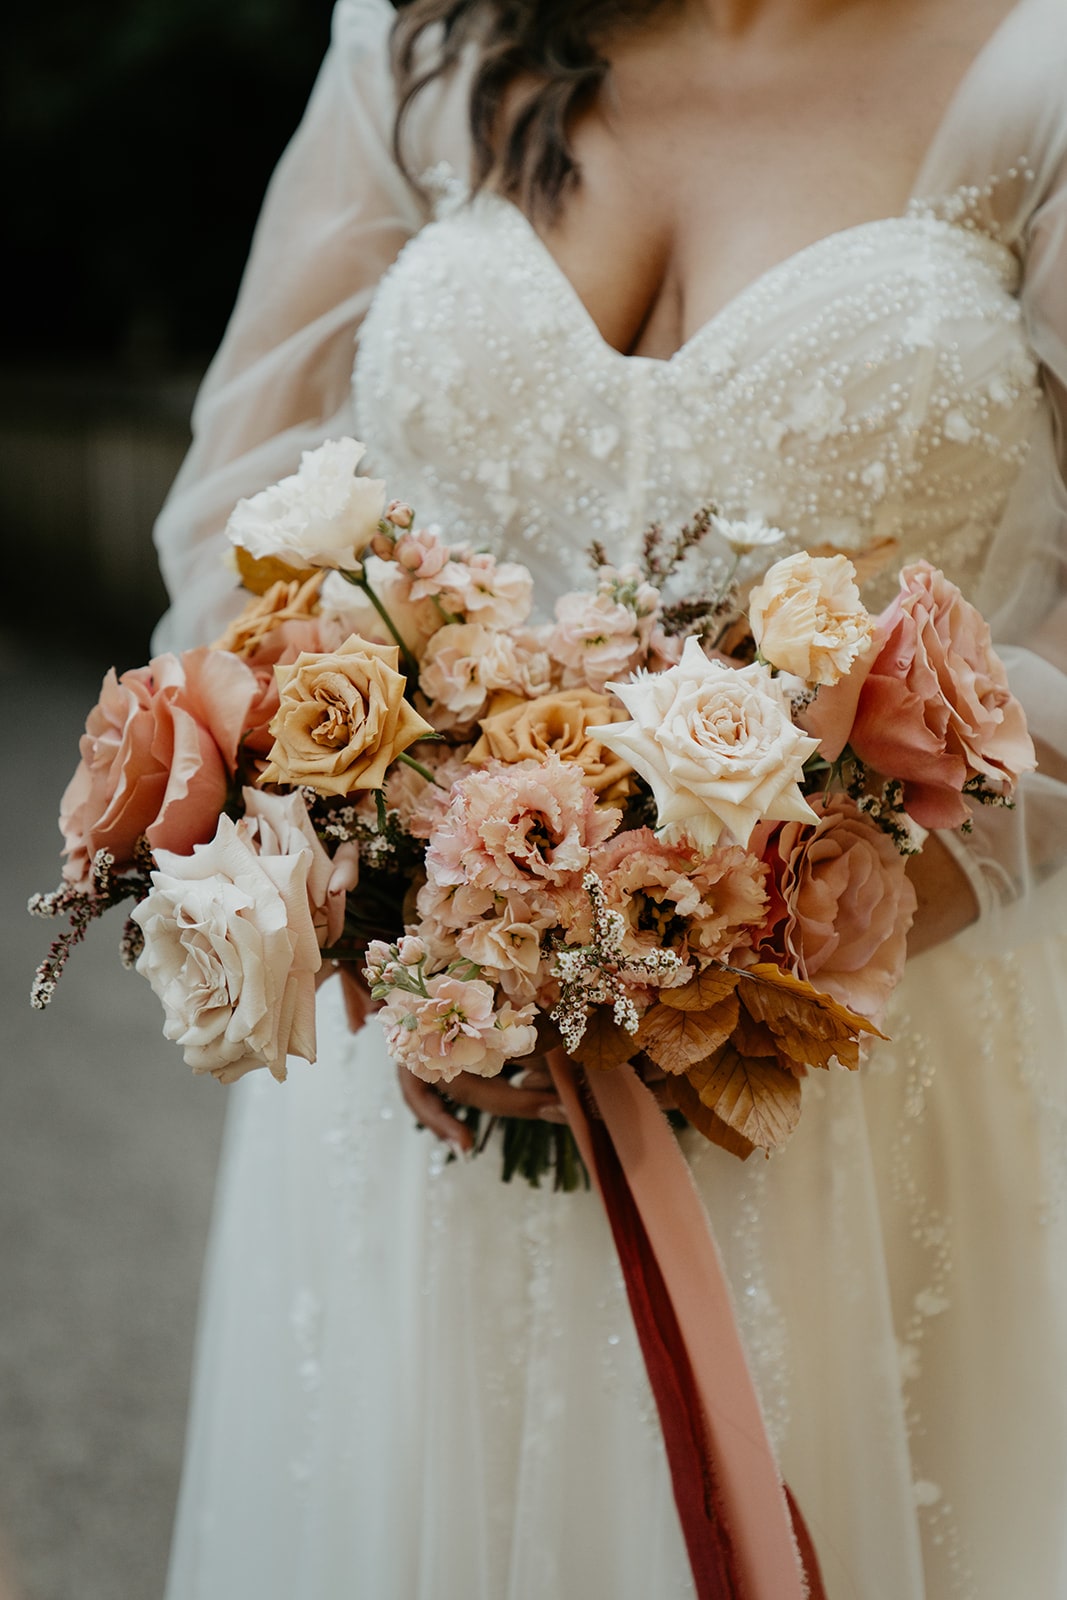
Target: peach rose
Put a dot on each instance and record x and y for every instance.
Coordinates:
(529, 729)
(717, 746)
(935, 708)
(843, 904)
(807, 617)
(230, 950)
(157, 754)
(342, 719)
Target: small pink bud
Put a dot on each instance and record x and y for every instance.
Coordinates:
(399, 514)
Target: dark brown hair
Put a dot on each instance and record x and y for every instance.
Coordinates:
(556, 44)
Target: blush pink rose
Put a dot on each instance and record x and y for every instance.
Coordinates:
(157, 754)
(935, 708)
(841, 904)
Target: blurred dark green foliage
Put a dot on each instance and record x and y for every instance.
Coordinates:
(139, 136)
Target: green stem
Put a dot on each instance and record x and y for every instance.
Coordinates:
(417, 766)
(411, 666)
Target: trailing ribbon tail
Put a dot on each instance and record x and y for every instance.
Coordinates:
(745, 1537)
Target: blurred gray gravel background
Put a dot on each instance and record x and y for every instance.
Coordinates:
(107, 1155)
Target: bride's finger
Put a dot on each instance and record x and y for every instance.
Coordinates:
(427, 1107)
(499, 1098)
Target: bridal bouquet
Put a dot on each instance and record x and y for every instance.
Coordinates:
(669, 826)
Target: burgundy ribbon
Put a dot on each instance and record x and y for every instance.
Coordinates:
(744, 1534)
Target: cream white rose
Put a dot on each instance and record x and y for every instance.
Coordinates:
(231, 952)
(807, 617)
(279, 825)
(717, 746)
(324, 515)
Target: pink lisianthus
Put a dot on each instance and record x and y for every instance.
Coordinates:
(841, 904)
(606, 634)
(524, 829)
(935, 708)
(159, 749)
(701, 906)
(455, 1028)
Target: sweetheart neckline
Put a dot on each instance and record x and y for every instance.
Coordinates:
(970, 76)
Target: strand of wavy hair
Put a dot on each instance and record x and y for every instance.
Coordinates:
(555, 46)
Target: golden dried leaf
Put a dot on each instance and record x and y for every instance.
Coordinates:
(869, 562)
(703, 992)
(809, 1028)
(757, 1100)
(677, 1039)
(689, 1103)
(259, 573)
(604, 1044)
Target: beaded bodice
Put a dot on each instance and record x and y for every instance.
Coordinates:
(875, 386)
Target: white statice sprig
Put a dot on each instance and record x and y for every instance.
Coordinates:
(598, 973)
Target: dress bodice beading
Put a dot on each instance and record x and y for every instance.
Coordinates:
(875, 386)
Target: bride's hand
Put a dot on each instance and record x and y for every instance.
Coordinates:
(947, 903)
(530, 1094)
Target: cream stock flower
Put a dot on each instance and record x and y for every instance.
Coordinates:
(342, 719)
(323, 515)
(231, 952)
(717, 746)
(807, 617)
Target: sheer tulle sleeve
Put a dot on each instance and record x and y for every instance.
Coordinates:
(336, 214)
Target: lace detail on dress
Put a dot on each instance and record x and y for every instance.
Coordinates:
(875, 386)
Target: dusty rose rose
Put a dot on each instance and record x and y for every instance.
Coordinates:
(342, 719)
(935, 708)
(455, 1028)
(527, 730)
(717, 746)
(604, 635)
(524, 830)
(843, 904)
(279, 825)
(231, 952)
(675, 898)
(807, 617)
(157, 754)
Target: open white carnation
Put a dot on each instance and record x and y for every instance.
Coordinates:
(807, 617)
(717, 746)
(230, 949)
(324, 515)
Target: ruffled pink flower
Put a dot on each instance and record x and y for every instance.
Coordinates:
(701, 906)
(455, 1028)
(157, 754)
(523, 830)
(842, 904)
(935, 708)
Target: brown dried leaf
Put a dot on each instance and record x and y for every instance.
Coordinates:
(752, 1038)
(677, 1039)
(702, 993)
(259, 573)
(604, 1044)
(809, 1028)
(758, 1101)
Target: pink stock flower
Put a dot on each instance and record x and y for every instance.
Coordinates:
(842, 904)
(455, 1028)
(935, 708)
(465, 663)
(157, 754)
(606, 634)
(525, 829)
(472, 585)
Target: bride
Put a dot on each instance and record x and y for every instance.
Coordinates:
(807, 258)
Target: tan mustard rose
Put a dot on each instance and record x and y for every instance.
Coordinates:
(528, 730)
(283, 603)
(342, 719)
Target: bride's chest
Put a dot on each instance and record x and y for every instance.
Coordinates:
(876, 385)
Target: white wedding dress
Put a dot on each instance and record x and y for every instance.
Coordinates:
(416, 1383)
